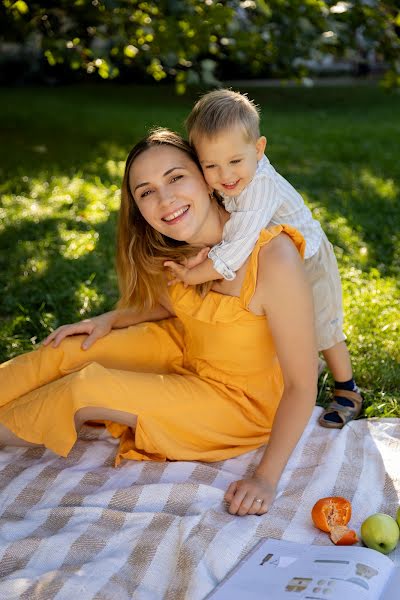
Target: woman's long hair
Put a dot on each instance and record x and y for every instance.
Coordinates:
(142, 250)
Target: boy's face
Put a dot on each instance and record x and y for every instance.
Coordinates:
(229, 159)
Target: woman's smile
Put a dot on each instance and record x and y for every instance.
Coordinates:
(171, 194)
(176, 216)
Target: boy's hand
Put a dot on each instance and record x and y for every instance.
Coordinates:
(181, 271)
(197, 259)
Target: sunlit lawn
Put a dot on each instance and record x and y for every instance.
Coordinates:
(62, 155)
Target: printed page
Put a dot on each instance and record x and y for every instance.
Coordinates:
(290, 571)
(392, 590)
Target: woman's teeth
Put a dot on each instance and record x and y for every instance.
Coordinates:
(176, 214)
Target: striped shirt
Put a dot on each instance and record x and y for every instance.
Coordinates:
(267, 200)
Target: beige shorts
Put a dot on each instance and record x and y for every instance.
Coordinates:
(323, 275)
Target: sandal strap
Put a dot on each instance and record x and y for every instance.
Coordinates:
(346, 413)
(353, 396)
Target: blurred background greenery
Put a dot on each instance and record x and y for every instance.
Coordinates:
(196, 41)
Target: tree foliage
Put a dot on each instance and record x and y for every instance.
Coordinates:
(185, 39)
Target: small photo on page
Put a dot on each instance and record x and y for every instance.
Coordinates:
(274, 560)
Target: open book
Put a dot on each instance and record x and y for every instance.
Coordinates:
(280, 570)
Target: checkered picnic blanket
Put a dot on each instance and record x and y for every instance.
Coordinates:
(78, 527)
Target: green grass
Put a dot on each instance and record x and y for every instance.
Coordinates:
(62, 156)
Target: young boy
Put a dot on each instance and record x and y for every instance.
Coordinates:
(223, 127)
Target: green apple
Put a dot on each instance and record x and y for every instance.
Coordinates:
(380, 532)
(398, 516)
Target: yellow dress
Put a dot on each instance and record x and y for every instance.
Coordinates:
(204, 385)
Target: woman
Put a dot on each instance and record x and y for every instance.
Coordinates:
(178, 373)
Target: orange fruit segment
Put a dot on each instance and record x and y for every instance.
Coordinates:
(343, 536)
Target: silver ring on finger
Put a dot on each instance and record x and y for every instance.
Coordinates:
(259, 500)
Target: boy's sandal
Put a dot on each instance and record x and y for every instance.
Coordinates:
(344, 407)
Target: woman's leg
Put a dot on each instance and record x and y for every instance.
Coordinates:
(52, 414)
(90, 413)
(174, 416)
(95, 413)
(8, 438)
(149, 347)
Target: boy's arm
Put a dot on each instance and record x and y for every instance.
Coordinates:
(192, 276)
(250, 212)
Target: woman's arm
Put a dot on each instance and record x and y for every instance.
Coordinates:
(286, 299)
(125, 317)
(98, 327)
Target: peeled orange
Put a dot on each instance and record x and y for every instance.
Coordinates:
(331, 511)
(332, 515)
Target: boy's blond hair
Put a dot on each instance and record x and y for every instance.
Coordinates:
(220, 110)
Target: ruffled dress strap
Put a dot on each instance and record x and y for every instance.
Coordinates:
(250, 280)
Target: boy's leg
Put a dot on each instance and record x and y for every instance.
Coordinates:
(323, 275)
(339, 362)
(347, 401)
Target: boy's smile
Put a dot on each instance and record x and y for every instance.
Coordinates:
(231, 186)
(229, 159)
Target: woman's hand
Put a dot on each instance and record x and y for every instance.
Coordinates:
(251, 496)
(94, 328)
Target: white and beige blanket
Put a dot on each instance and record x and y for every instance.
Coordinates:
(80, 528)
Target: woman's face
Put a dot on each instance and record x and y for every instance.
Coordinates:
(171, 193)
